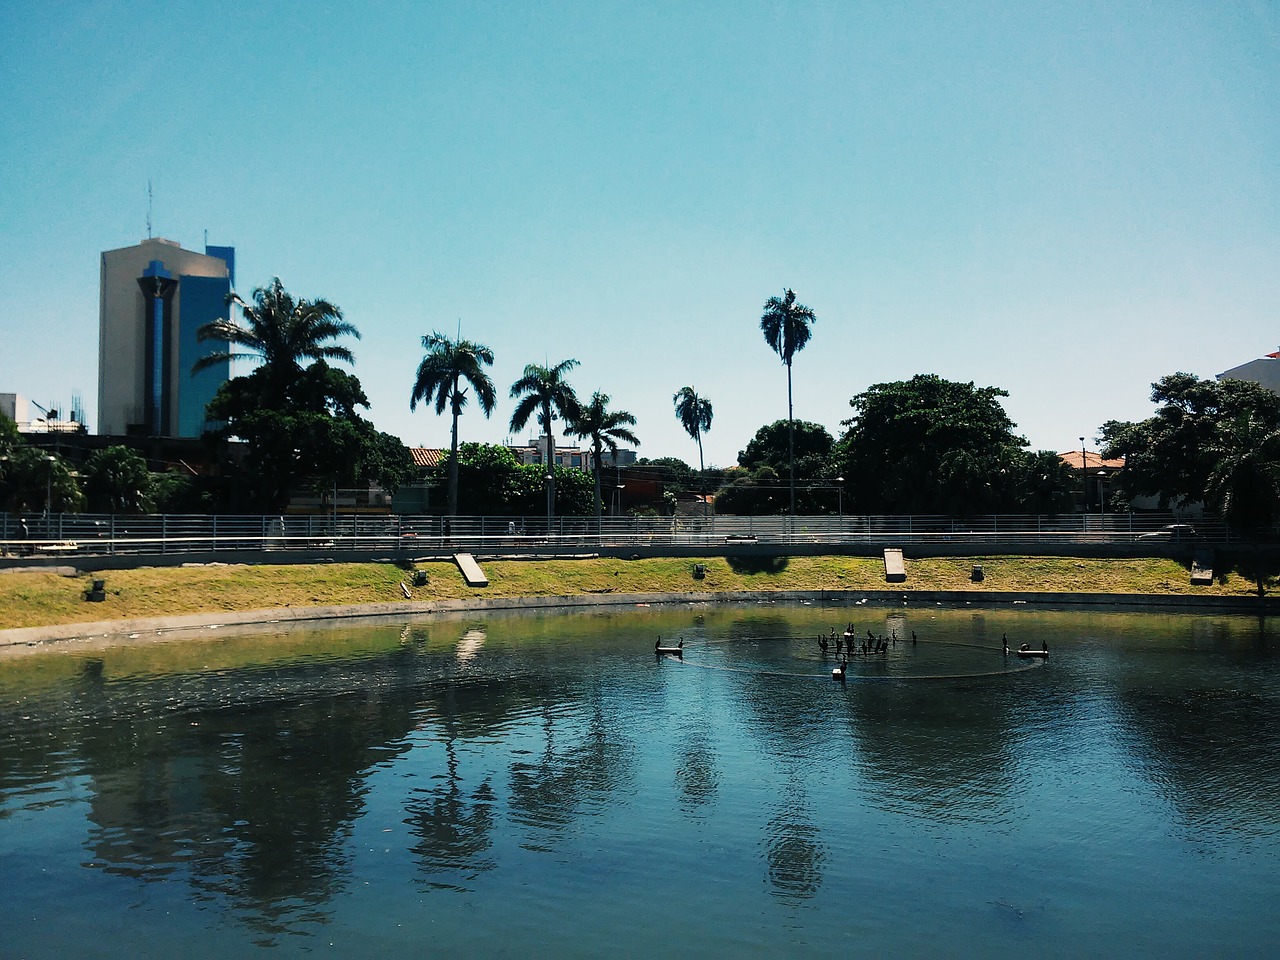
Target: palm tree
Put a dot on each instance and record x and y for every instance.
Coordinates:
(694, 413)
(280, 332)
(443, 371)
(605, 428)
(544, 391)
(785, 325)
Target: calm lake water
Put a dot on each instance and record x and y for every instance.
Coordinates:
(545, 786)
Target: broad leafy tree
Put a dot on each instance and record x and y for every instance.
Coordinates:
(1203, 433)
(116, 480)
(929, 445)
(32, 479)
(786, 325)
(1210, 441)
(604, 428)
(779, 444)
(445, 373)
(10, 436)
(544, 392)
(756, 488)
(494, 483)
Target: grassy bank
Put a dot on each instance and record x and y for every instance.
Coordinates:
(40, 599)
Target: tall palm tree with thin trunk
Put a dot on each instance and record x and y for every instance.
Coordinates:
(694, 413)
(543, 391)
(785, 325)
(280, 332)
(444, 373)
(605, 428)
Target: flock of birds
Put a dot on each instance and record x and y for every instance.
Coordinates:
(851, 645)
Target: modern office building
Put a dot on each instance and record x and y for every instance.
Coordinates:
(153, 299)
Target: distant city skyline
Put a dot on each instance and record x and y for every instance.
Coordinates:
(1064, 202)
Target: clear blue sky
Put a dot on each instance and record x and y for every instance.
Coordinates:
(1067, 201)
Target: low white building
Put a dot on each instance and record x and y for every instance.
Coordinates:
(1264, 371)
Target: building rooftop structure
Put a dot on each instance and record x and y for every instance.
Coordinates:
(1265, 371)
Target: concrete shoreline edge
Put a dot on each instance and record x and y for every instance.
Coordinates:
(116, 630)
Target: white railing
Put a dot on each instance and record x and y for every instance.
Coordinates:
(95, 534)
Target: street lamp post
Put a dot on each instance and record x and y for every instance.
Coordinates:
(550, 498)
(48, 486)
(1084, 476)
(840, 500)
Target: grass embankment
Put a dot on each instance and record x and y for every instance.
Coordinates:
(31, 599)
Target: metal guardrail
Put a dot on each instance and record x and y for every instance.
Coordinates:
(164, 534)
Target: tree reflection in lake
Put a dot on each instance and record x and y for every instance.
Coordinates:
(288, 781)
(254, 807)
(1205, 732)
(583, 760)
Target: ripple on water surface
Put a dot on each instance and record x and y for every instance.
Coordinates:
(550, 774)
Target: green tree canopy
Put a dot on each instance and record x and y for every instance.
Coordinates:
(545, 392)
(10, 437)
(31, 479)
(444, 374)
(1215, 441)
(309, 436)
(604, 428)
(116, 480)
(785, 324)
(770, 448)
(929, 445)
(280, 331)
(492, 482)
(674, 471)
(695, 415)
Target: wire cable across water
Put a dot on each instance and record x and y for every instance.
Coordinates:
(856, 664)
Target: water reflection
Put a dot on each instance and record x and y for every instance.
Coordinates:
(795, 854)
(453, 831)
(577, 769)
(940, 750)
(248, 772)
(696, 775)
(1206, 735)
(253, 807)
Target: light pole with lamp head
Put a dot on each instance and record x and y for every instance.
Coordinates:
(1084, 476)
(550, 498)
(48, 485)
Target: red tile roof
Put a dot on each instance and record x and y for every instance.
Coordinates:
(1092, 460)
(427, 456)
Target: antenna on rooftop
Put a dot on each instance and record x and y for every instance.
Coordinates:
(148, 208)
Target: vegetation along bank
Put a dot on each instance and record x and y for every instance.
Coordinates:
(32, 599)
